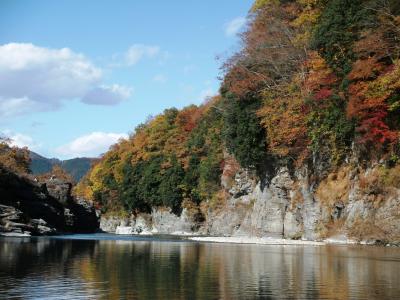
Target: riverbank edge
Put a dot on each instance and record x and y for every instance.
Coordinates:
(336, 240)
(277, 241)
(258, 241)
(339, 240)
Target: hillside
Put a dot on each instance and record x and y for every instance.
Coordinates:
(77, 167)
(38, 207)
(302, 140)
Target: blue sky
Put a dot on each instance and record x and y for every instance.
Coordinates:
(77, 75)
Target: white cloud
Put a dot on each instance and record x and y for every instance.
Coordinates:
(21, 140)
(107, 95)
(234, 26)
(160, 78)
(134, 54)
(139, 51)
(90, 145)
(43, 74)
(35, 78)
(16, 106)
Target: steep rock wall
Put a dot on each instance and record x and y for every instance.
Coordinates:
(285, 205)
(290, 206)
(160, 221)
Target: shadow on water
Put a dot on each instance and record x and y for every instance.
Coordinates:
(102, 267)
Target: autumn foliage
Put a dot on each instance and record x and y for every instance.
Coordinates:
(344, 89)
(57, 172)
(174, 156)
(313, 80)
(13, 158)
(375, 85)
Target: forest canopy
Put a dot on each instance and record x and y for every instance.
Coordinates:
(314, 80)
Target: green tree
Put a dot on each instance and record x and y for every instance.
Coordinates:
(170, 189)
(243, 134)
(130, 193)
(338, 29)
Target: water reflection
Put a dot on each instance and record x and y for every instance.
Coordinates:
(153, 269)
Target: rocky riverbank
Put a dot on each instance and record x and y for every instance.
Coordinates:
(28, 207)
(344, 207)
(160, 221)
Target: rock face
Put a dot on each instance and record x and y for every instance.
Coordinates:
(28, 207)
(164, 221)
(59, 190)
(265, 210)
(161, 221)
(289, 206)
(110, 223)
(13, 221)
(85, 218)
(284, 205)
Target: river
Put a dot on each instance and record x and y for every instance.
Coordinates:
(105, 266)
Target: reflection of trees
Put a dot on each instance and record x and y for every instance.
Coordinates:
(27, 263)
(160, 270)
(184, 270)
(22, 256)
(150, 270)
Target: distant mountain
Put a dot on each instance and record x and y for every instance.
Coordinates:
(77, 167)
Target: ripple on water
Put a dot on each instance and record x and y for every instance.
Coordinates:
(113, 267)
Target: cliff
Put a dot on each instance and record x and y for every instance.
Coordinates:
(286, 205)
(292, 205)
(31, 208)
(302, 140)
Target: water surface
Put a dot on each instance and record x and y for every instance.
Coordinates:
(114, 267)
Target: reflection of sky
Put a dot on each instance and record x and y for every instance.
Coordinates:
(55, 288)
